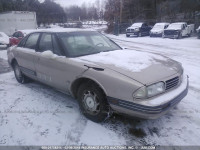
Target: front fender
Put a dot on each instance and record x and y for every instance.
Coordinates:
(114, 84)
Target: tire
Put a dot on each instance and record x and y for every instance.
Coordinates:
(180, 36)
(189, 35)
(139, 34)
(92, 102)
(127, 35)
(20, 77)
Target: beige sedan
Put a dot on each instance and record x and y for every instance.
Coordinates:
(103, 77)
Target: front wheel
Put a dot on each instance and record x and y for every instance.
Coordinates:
(92, 102)
(180, 36)
(139, 34)
(20, 77)
(127, 35)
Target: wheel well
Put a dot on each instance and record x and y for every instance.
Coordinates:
(76, 84)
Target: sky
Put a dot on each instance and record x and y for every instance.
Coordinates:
(66, 3)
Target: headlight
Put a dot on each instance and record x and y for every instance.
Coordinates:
(137, 29)
(141, 93)
(155, 89)
(150, 91)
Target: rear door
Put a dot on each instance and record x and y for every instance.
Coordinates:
(25, 54)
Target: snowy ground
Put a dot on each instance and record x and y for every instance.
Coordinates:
(34, 114)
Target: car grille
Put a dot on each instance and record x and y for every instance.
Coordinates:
(170, 32)
(172, 83)
(130, 30)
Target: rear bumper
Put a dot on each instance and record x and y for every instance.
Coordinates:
(152, 110)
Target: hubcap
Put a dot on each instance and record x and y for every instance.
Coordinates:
(91, 102)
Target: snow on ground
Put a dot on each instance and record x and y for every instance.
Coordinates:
(34, 114)
(38, 115)
(3, 54)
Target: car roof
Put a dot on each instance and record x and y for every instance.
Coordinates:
(3, 34)
(162, 23)
(55, 30)
(179, 23)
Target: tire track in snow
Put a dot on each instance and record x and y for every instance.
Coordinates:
(73, 136)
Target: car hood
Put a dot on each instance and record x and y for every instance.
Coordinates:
(143, 67)
(133, 27)
(171, 29)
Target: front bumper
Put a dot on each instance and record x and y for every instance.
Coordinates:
(132, 33)
(156, 34)
(153, 108)
(175, 36)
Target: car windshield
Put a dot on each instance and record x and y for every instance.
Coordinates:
(86, 43)
(137, 25)
(159, 26)
(175, 26)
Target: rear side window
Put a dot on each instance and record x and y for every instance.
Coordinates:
(45, 43)
(32, 41)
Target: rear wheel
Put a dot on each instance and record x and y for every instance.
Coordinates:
(127, 35)
(20, 77)
(92, 102)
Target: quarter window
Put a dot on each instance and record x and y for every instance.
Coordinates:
(32, 41)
